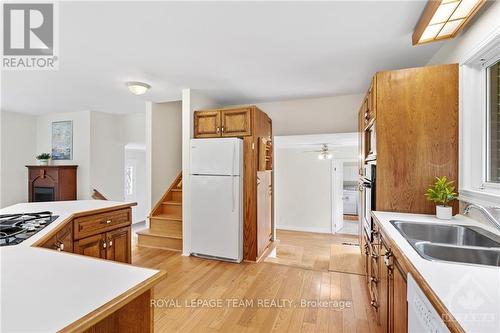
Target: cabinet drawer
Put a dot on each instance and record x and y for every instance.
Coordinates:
(94, 224)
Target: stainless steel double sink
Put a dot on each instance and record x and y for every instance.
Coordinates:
(453, 243)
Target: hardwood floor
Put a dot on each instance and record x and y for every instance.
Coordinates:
(306, 249)
(225, 285)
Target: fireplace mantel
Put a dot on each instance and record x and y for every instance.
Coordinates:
(51, 182)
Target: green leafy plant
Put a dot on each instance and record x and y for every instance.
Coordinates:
(43, 156)
(442, 192)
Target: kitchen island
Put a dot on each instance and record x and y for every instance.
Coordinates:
(44, 290)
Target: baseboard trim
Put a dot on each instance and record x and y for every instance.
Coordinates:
(305, 229)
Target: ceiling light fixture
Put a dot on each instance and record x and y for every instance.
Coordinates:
(325, 156)
(138, 88)
(324, 153)
(444, 19)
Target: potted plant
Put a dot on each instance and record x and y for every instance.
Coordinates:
(43, 159)
(442, 192)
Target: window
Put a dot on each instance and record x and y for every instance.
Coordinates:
(480, 123)
(493, 123)
(130, 180)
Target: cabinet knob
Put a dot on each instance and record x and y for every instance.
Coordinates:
(374, 304)
(374, 280)
(106, 222)
(218, 129)
(110, 243)
(103, 245)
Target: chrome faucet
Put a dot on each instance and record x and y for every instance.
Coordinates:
(485, 211)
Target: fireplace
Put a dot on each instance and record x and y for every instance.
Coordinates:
(41, 194)
(51, 183)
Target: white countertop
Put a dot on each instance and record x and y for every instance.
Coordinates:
(471, 293)
(43, 290)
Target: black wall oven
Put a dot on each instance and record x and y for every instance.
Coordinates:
(368, 183)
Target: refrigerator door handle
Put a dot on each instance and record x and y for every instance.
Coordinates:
(233, 193)
(234, 157)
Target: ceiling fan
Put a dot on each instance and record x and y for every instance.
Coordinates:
(324, 152)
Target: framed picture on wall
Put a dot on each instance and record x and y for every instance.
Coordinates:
(62, 140)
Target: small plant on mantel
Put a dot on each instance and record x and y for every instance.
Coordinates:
(442, 192)
(43, 159)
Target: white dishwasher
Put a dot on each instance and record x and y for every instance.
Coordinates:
(422, 317)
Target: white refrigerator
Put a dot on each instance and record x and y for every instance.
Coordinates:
(217, 198)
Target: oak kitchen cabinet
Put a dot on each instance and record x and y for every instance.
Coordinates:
(386, 280)
(223, 123)
(62, 240)
(255, 128)
(105, 235)
(408, 124)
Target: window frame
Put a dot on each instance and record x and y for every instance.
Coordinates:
(474, 110)
(486, 65)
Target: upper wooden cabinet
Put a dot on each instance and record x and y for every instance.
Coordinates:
(223, 123)
(207, 124)
(236, 122)
(409, 125)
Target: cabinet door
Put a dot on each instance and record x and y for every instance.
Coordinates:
(383, 286)
(207, 124)
(399, 302)
(118, 245)
(236, 122)
(93, 246)
(65, 238)
(264, 195)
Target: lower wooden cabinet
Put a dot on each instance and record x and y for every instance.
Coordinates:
(399, 309)
(119, 245)
(93, 246)
(105, 235)
(62, 240)
(386, 282)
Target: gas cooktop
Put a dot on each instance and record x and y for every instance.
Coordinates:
(15, 228)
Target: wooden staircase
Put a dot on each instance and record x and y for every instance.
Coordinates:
(165, 221)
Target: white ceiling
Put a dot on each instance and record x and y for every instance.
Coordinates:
(235, 52)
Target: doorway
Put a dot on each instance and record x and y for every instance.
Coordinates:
(346, 219)
(308, 180)
(134, 182)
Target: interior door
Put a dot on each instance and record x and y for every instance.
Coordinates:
(118, 248)
(264, 224)
(337, 195)
(207, 124)
(236, 122)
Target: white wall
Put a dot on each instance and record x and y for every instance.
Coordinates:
(107, 154)
(81, 145)
(163, 147)
(303, 191)
(191, 101)
(338, 114)
(477, 30)
(133, 128)
(17, 149)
